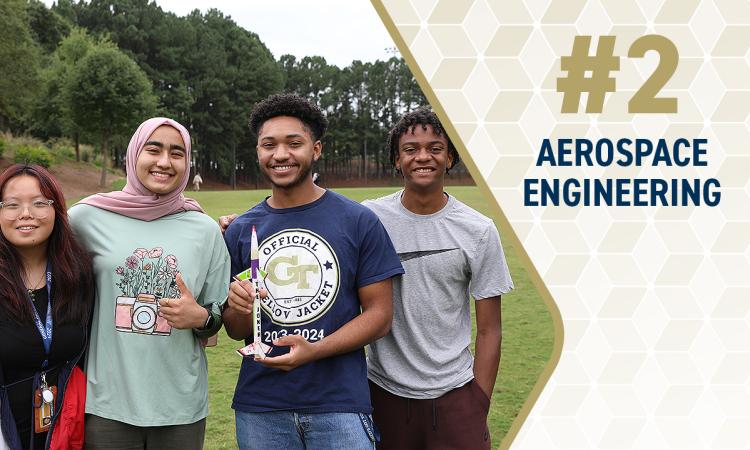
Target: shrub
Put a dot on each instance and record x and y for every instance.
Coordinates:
(34, 155)
(3, 146)
(62, 148)
(64, 152)
(24, 141)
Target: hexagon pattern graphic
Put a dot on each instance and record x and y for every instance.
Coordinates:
(654, 300)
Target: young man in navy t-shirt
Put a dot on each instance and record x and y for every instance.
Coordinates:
(328, 264)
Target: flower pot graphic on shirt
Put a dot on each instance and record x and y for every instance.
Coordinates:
(140, 315)
(146, 277)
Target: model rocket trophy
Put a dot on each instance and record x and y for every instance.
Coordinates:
(257, 347)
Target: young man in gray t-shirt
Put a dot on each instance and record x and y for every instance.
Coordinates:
(427, 389)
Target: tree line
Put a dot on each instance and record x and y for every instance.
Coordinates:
(92, 71)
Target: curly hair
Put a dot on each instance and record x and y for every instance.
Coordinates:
(421, 116)
(291, 105)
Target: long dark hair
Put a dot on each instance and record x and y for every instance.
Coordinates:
(72, 275)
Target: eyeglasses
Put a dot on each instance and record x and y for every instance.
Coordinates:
(12, 210)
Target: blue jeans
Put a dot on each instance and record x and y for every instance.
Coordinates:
(291, 430)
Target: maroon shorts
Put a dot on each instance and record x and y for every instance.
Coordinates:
(457, 420)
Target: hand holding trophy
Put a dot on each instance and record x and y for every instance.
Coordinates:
(257, 347)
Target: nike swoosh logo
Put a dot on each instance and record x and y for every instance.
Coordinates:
(412, 255)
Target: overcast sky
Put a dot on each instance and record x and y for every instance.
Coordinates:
(339, 30)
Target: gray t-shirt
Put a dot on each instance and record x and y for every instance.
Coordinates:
(447, 256)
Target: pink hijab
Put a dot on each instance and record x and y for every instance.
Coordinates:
(135, 200)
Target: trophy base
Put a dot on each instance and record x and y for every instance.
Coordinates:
(258, 349)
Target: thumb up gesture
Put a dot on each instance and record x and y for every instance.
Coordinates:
(183, 312)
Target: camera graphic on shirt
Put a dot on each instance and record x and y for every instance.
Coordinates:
(140, 315)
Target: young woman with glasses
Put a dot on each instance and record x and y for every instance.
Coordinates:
(46, 293)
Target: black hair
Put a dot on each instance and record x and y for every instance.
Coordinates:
(291, 105)
(421, 116)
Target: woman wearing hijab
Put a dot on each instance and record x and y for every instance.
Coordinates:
(46, 292)
(161, 269)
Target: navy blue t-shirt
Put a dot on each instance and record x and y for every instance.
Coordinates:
(315, 258)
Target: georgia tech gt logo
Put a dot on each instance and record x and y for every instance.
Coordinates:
(302, 276)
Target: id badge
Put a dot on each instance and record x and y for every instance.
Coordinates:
(44, 408)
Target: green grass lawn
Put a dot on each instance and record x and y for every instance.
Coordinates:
(527, 328)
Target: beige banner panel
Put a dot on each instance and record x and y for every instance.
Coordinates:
(654, 301)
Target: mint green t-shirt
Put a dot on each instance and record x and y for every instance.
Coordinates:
(139, 370)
